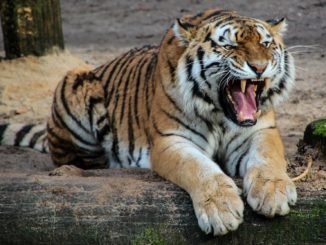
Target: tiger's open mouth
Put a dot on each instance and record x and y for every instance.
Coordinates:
(241, 100)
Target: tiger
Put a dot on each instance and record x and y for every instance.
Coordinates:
(198, 109)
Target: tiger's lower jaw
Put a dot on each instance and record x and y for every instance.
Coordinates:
(241, 100)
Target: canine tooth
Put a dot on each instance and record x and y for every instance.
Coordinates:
(255, 88)
(243, 86)
(240, 116)
(267, 82)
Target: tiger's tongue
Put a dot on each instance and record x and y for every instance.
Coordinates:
(245, 103)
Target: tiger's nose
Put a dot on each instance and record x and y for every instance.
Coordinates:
(258, 68)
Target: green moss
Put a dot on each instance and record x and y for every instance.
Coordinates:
(158, 236)
(319, 128)
(149, 236)
(313, 213)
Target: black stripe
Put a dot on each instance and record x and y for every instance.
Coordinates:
(108, 94)
(35, 137)
(81, 78)
(101, 119)
(102, 132)
(195, 89)
(117, 96)
(77, 136)
(197, 93)
(139, 157)
(22, 133)
(131, 137)
(104, 70)
(120, 61)
(100, 68)
(209, 125)
(200, 14)
(207, 37)
(3, 128)
(92, 102)
(66, 107)
(148, 137)
(185, 25)
(139, 71)
(152, 73)
(123, 70)
(189, 63)
(148, 75)
(242, 143)
(125, 90)
(171, 70)
(67, 146)
(213, 43)
(62, 142)
(213, 14)
(173, 135)
(286, 71)
(233, 138)
(223, 127)
(212, 65)
(184, 125)
(121, 73)
(115, 142)
(225, 21)
(170, 99)
(237, 172)
(200, 56)
(170, 40)
(245, 142)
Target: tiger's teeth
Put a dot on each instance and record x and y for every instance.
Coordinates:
(267, 82)
(240, 116)
(243, 86)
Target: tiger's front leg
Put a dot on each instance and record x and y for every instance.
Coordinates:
(215, 196)
(268, 188)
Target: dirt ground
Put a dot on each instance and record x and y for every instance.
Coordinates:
(97, 30)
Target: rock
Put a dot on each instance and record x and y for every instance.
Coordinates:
(315, 135)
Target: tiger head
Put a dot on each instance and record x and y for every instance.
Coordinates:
(233, 64)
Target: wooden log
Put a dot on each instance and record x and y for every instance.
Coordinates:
(31, 27)
(131, 206)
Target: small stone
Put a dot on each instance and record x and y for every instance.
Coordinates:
(21, 110)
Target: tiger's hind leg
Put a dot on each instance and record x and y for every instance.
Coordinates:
(78, 122)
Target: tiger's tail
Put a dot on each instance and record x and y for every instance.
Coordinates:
(25, 135)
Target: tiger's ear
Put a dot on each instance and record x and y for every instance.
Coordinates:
(278, 26)
(184, 31)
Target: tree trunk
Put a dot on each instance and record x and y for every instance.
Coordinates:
(31, 27)
(132, 207)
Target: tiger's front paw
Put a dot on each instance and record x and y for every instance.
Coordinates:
(218, 206)
(269, 193)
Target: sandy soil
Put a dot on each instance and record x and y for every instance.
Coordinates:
(96, 31)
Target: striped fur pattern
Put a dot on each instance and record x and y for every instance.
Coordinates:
(165, 108)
